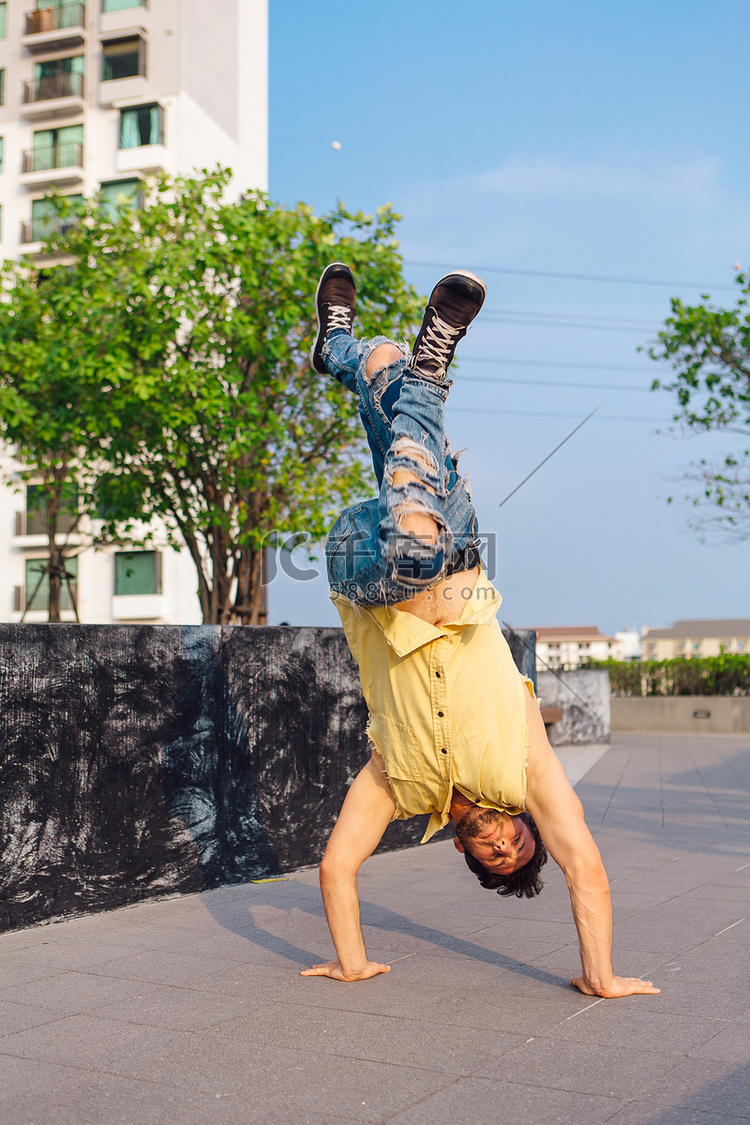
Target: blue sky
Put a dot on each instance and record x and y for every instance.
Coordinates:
(525, 141)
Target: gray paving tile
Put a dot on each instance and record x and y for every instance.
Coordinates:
(71, 992)
(51, 958)
(641, 1113)
(487, 1102)
(160, 966)
(73, 1098)
(21, 1077)
(16, 971)
(478, 1007)
(678, 924)
(284, 1080)
(182, 1009)
(234, 1109)
(605, 1071)
(627, 962)
(693, 999)
(705, 1085)
(730, 1044)
(250, 981)
(630, 1020)
(363, 1091)
(20, 1017)
(85, 1042)
(376, 1038)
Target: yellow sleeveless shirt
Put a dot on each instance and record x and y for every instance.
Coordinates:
(446, 705)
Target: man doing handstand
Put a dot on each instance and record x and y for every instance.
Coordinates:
(454, 728)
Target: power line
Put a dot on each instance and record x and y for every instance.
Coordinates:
(541, 414)
(575, 276)
(546, 459)
(549, 383)
(565, 316)
(558, 324)
(552, 363)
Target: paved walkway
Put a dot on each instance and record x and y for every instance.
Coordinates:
(192, 1009)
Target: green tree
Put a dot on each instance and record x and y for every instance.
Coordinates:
(709, 350)
(48, 379)
(198, 320)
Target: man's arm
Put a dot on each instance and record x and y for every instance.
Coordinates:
(367, 810)
(559, 817)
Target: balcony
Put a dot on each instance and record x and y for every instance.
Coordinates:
(144, 158)
(40, 604)
(53, 94)
(48, 29)
(35, 234)
(139, 607)
(34, 522)
(52, 164)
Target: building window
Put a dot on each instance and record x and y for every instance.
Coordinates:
(119, 5)
(696, 646)
(2, 86)
(741, 646)
(37, 585)
(137, 572)
(2, 150)
(141, 125)
(120, 195)
(56, 148)
(46, 221)
(124, 58)
(35, 516)
(57, 78)
(3, 20)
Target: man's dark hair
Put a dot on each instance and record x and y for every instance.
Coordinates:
(526, 882)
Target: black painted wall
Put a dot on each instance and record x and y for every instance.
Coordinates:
(142, 760)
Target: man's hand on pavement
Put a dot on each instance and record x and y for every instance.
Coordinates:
(333, 970)
(620, 986)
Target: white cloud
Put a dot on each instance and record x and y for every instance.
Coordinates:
(694, 181)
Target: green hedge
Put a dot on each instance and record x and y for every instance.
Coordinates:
(710, 675)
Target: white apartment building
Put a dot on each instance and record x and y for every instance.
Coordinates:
(570, 646)
(95, 97)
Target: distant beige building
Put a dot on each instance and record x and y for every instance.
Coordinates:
(697, 638)
(569, 646)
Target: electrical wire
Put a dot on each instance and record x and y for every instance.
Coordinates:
(556, 324)
(575, 276)
(549, 383)
(633, 321)
(551, 363)
(544, 414)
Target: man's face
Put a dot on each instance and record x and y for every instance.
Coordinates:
(500, 842)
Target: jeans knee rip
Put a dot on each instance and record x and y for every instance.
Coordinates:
(366, 347)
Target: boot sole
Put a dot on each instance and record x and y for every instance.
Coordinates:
(472, 277)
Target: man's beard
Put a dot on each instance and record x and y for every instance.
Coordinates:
(472, 823)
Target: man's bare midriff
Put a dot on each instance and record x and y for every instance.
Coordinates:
(442, 604)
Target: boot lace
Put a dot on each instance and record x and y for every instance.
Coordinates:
(437, 345)
(339, 316)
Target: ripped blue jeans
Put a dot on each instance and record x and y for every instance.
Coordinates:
(370, 559)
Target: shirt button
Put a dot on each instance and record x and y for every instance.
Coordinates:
(443, 751)
(440, 714)
(438, 675)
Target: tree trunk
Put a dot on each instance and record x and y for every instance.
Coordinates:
(251, 602)
(55, 562)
